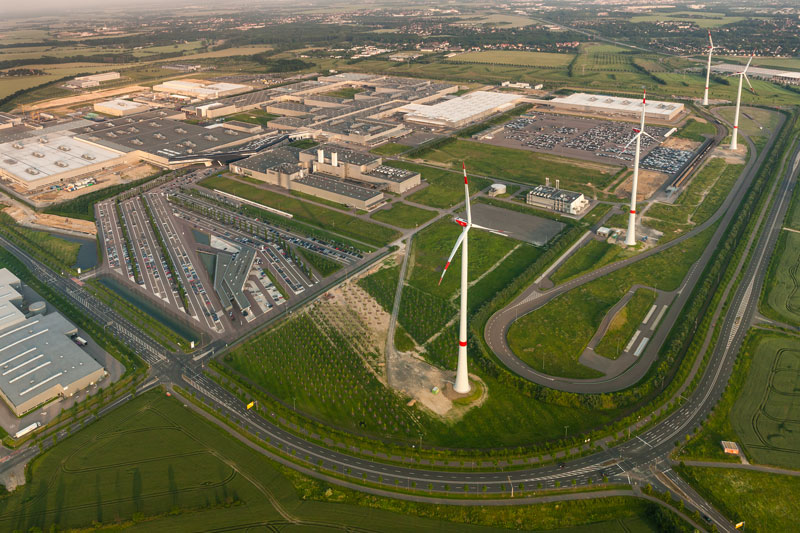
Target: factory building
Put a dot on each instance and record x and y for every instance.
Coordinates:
(614, 106)
(460, 111)
(769, 74)
(339, 190)
(279, 167)
(85, 82)
(8, 120)
(120, 108)
(202, 90)
(230, 274)
(39, 360)
(344, 163)
(556, 199)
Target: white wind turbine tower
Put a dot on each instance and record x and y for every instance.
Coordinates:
(708, 68)
(461, 385)
(630, 238)
(742, 74)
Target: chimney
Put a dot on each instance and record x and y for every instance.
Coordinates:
(547, 182)
(320, 156)
(335, 159)
(558, 183)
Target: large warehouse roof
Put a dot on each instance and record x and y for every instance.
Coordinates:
(462, 108)
(653, 108)
(38, 360)
(38, 157)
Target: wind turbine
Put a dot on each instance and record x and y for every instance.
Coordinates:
(708, 68)
(742, 74)
(630, 238)
(461, 385)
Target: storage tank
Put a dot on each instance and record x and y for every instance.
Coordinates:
(38, 308)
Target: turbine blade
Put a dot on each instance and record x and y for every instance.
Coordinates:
(466, 193)
(656, 140)
(747, 66)
(631, 141)
(455, 249)
(490, 230)
(748, 83)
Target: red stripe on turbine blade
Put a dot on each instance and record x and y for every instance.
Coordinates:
(462, 343)
(633, 211)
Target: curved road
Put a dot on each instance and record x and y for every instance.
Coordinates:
(496, 332)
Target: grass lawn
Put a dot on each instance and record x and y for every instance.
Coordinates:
(433, 245)
(344, 92)
(694, 130)
(595, 254)
(522, 165)
(624, 323)
(390, 149)
(752, 119)
(322, 264)
(765, 502)
(321, 217)
(303, 144)
(254, 116)
(154, 465)
(548, 343)
(445, 188)
(516, 58)
(382, 285)
(403, 215)
(48, 248)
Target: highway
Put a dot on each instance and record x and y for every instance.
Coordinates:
(497, 326)
(641, 459)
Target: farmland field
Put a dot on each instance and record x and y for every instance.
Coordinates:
(549, 344)
(321, 217)
(765, 502)
(445, 188)
(765, 413)
(522, 165)
(703, 20)
(523, 59)
(403, 215)
(781, 298)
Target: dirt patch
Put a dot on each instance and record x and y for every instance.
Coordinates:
(118, 174)
(732, 158)
(29, 218)
(649, 182)
(681, 144)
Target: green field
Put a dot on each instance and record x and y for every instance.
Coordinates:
(522, 165)
(698, 201)
(593, 255)
(390, 149)
(521, 59)
(596, 57)
(782, 291)
(154, 465)
(403, 215)
(321, 217)
(703, 20)
(624, 324)
(445, 188)
(752, 119)
(765, 502)
(694, 130)
(544, 340)
(765, 413)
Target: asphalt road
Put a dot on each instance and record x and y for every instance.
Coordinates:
(497, 327)
(639, 460)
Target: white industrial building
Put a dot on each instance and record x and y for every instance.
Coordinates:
(85, 82)
(50, 158)
(769, 74)
(38, 358)
(201, 89)
(460, 111)
(615, 106)
(119, 107)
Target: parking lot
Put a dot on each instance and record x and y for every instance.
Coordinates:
(579, 137)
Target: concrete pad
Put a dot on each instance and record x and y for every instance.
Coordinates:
(520, 226)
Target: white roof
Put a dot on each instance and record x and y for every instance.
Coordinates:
(30, 160)
(462, 107)
(122, 105)
(615, 103)
(757, 71)
(9, 314)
